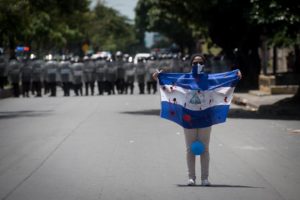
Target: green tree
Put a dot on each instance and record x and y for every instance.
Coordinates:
(109, 30)
(236, 26)
(280, 22)
(41, 23)
(56, 23)
(14, 15)
(154, 15)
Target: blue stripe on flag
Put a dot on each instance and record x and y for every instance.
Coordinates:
(194, 119)
(200, 82)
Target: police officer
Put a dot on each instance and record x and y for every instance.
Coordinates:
(14, 68)
(151, 67)
(77, 71)
(101, 70)
(164, 63)
(186, 64)
(37, 76)
(89, 75)
(120, 81)
(176, 64)
(140, 73)
(51, 71)
(3, 72)
(111, 77)
(26, 72)
(129, 75)
(65, 75)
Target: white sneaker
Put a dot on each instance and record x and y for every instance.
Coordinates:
(205, 182)
(191, 182)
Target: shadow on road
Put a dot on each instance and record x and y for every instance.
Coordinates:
(143, 112)
(219, 186)
(262, 113)
(23, 113)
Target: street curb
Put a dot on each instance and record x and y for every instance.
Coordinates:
(288, 111)
(243, 102)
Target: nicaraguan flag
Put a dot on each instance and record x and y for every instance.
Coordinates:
(196, 100)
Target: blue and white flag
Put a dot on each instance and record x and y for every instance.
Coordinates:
(196, 100)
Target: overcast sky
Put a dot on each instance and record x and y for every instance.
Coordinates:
(125, 7)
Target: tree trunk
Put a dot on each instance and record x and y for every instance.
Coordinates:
(248, 62)
(297, 59)
(297, 71)
(274, 60)
(265, 55)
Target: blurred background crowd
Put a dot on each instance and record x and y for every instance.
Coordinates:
(101, 73)
(261, 38)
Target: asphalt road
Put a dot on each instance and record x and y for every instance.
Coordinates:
(117, 147)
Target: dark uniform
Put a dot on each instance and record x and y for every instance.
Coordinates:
(186, 65)
(37, 77)
(101, 70)
(111, 78)
(65, 76)
(14, 68)
(26, 72)
(164, 64)
(3, 72)
(120, 82)
(129, 76)
(89, 76)
(51, 70)
(176, 64)
(152, 66)
(140, 74)
(77, 71)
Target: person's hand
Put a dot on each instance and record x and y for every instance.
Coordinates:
(239, 74)
(155, 74)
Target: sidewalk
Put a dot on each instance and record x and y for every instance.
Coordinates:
(5, 93)
(268, 104)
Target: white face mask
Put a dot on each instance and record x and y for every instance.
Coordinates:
(199, 68)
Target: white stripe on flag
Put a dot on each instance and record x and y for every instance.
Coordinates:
(194, 99)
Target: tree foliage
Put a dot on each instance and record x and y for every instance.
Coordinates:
(279, 19)
(234, 25)
(13, 19)
(109, 30)
(47, 25)
(151, 15)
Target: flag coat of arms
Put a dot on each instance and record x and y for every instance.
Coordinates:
(196, 100)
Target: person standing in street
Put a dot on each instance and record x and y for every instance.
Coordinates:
(77, 71)
(101, 71)
(14, 68)
(65, 75)
(3, 72)
(151, 66)
(129, 75)
(89, 75)
(37, 76)
(111, 77)
(51, 71)
(120, 81)
(140, 74)
(26, 74)
(197, 134)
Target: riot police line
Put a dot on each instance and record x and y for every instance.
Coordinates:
(87, 76)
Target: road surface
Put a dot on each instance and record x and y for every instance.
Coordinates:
(117, 147)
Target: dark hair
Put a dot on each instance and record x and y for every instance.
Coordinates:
(197, 55)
